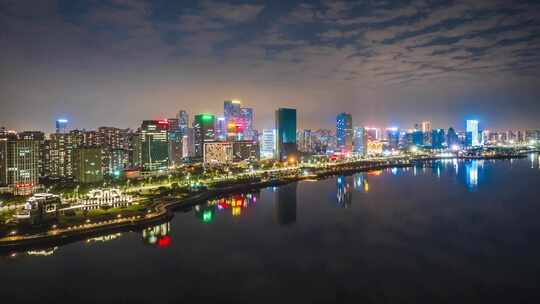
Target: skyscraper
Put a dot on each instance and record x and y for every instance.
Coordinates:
(393, 138)
(473, 133)
(452, 139)
(268, 143)
(203, 131)
(344, 132)
(360, 141)
(285, 120)
(183, 121)
(61, 125)
(233, 118)
(221, 129)
(437, 138)
(426, 130)
(247, 121)
(154, 145)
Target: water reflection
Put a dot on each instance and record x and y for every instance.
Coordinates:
(361, 183)
(343, 193)
(157, 235)
(471, 169)
(285, 204)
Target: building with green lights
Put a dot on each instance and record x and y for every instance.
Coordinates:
(203, 131)
(285, 120)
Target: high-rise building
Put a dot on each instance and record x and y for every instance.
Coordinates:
(203, 131)
(221, 129)
(393, 138)
(452, 139)
(426, 129)
(373, 133)
(360, 141)
(183, 121)
(268, 143)
(218, 152)
(344, 132)
(20, 164)
(154, 145)
(233, 118)
(285, 120)
(304, 141)
(417, 138)
(473, 133)
(175, 142)
(247, 122)
(87, 165)
(60, 149)
(61, 125)
(437, 138)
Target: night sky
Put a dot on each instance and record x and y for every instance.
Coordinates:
(118, 62)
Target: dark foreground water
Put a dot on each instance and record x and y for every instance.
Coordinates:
(450, 232)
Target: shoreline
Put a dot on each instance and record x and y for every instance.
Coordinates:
(165, 210)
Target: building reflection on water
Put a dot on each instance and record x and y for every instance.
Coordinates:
(361, 183)
(285, 204)
(344, 192)
(158, 235)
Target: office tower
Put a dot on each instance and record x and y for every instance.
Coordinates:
(417, 138)
(175, 142)
(218, 152)
(437, 138)
(426, 130)
(393, 138)
(233, 118)
(87, 165)
(473, 133)
(20, 164)
(247, 121)
(221, 129)
(426, 127)
(373, 133)
(154, 145)
(532, 135)
(360, 141)
(268, 143)
(61, 125)
(183, 121)
(452, 139)
(344, 132)
(285, 120)
(203, 131)
(245, 150)
(285, 204)
(304, 141)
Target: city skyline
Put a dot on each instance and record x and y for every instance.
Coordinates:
(119, 62)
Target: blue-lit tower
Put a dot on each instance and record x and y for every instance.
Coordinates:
(285, 120)
(344, 132)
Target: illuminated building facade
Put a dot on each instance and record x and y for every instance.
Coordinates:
(245, 150)
(360, 141)
(285, 120)
(20, 164)
(61, 125)
(233, 118)
(374, 147)
(373, 133)
(473, 134)
(203, 131)
(393, 138)
(154, 145)
(247, 123)
(183, 121)
(437, 138)
(87, 165)
(268, 143)
(218, 152)
(344, 132)
(60, 153)
(452, 139)
(304, 141)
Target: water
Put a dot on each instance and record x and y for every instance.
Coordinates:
(449, 232)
